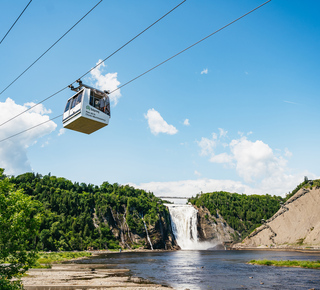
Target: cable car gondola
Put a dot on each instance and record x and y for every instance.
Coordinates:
(88, 110)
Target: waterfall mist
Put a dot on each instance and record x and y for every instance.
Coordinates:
(184, 226)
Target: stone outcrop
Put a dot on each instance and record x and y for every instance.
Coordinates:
(160, 234)
(295, 225)
(214, 228)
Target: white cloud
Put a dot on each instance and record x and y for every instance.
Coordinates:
(46, 143)
(157, 124)
(189, 188)
(207, 145)
(197, 173)
(13, 152)
(223, 133)
(107, 82)
(61, 131)
(221, 158)
(287, 153)
(39, 109)
(289, 102)
(255, 162)
(204, 71)
(186, 122)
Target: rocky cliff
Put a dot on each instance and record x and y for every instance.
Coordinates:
(295, 225)
(214, 228)
(160, 235)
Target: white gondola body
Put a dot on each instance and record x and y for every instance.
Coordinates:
(82, 115)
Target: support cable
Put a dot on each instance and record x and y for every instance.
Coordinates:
(149, 69)
(30, 128)
(15, 21)
(93, 67)
(50, 47)
(188, 47)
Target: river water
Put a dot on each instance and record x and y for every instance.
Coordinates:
(215, 269)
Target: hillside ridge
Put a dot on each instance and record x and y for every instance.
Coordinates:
(295, 225)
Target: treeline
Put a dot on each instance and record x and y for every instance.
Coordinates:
(306, 183)
(73, 215)
(242, 212)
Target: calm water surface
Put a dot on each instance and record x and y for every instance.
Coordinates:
(215, 269)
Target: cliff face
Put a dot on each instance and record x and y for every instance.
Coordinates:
(160, 235)
(296, 224)
(213, 228)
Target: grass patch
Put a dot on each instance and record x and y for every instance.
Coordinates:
(46, 259)
(287, 263)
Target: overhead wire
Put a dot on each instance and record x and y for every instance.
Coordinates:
(30, 128)
(96, 65)
(15, 21)
(50, 47)
(225, 26)
(132, 39)
(149, 70)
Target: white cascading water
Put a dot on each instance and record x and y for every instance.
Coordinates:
(184, 226)
(148, 238)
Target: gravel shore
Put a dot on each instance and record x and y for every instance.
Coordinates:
(85, 276)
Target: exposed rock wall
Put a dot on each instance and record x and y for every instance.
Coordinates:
(213, 228)
(160, 234)
(296, 224)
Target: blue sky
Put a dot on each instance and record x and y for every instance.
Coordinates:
(238, 112)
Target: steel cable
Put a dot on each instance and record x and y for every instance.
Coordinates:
(159, 63)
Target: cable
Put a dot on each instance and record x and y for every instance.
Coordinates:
(30, 128)
(132, 39)
(93, 67)
(49, 48)
(161, 62)
(189, 47)
(16, 21)
(33, 106)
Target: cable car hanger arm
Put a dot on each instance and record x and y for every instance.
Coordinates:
(81, 85)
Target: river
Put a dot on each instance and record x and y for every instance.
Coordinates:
(215, 269)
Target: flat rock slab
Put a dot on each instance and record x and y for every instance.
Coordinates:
(74, 276)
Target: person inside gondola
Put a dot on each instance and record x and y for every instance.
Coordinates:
(105, 105)
(96, 104)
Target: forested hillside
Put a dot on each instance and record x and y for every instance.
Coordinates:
(83, 216)
(242, 212)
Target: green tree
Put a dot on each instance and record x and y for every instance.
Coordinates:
(19, 225)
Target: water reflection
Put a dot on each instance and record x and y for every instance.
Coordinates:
(216, 269)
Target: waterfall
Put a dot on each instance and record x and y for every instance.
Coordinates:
(184, 226)
(148, 238)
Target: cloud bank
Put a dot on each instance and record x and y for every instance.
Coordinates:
(260, 169)
(13, 152)
(188, 188)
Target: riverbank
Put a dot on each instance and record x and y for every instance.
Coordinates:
(287, 263)
(85, 276)
(239, 247)
(70, 275)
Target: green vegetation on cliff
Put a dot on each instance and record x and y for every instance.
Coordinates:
(305, 184)
(242, 212)
(75, 216)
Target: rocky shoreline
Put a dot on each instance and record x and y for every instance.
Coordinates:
(85, 276)
(70, 275)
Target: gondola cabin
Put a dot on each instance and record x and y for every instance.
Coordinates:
(87, 111)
